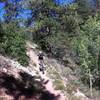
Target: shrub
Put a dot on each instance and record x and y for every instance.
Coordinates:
(13, 43)
(87, 47)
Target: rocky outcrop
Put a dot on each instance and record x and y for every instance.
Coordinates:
(20, 83)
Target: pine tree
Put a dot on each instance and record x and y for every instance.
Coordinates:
(85, 8)
(12, 10)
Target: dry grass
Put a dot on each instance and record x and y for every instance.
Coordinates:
(76, 98)
(59, 85)
(71, 85)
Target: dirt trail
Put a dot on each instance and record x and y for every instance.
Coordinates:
(48, 83)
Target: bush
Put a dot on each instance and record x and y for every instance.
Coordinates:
(87, 47)
(13, 43)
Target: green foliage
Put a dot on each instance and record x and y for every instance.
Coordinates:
(55, 28)
(53, 25)
(70, 23)
(1, 33)
(13, 43)
(59, 85)
(12, 10)
(85, 8)
(87, 46)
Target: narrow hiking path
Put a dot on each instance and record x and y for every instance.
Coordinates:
(46, 80)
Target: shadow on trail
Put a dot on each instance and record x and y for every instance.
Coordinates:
(26, 86)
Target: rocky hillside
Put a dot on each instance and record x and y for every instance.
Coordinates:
(17, 83)
(28, 83)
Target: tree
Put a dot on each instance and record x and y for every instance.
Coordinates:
(85, 8)
(12, 10)
(87, 46)
(98, 5)
(12, 42)
(2, 34)
(12, 37)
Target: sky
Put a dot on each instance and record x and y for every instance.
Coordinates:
(25, 14)
(1, 10)
(61, 2)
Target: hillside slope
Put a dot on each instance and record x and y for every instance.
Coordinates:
(28, 83)
(20, 83)
(56, 75)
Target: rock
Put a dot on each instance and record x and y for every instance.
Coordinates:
(79, 95)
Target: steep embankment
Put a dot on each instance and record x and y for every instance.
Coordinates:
(28, 83)
(56, 82)
(48, 83)
(20, 83)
